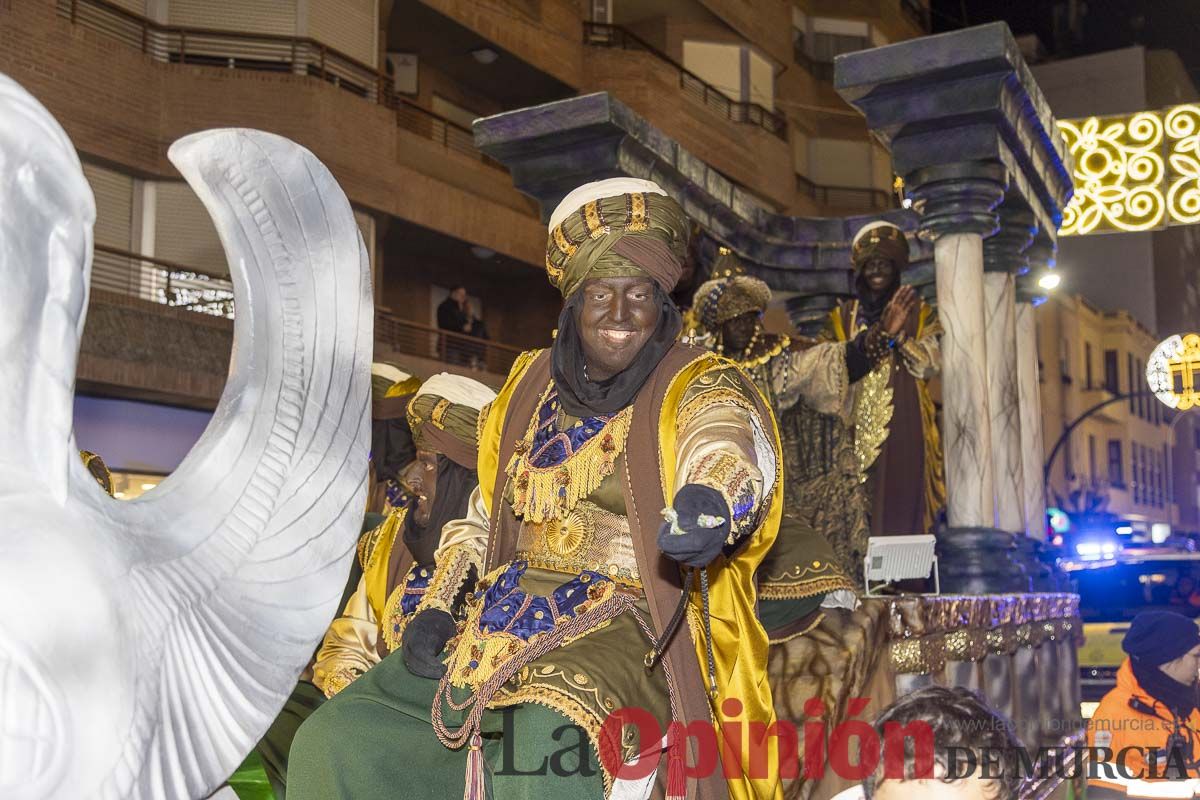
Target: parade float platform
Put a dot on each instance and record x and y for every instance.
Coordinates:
(1018, 651)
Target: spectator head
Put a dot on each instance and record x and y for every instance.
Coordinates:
(961, 723)
(459, 294)
(1167, 640)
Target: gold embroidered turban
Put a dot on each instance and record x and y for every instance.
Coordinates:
(720, 300)
(445, 416)
(391, 389)
(616, 228)
(879, 240)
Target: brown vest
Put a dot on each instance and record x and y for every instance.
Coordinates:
(640, 472)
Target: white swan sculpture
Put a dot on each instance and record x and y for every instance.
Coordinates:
(145, 646)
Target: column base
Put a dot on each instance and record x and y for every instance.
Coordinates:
(980, 561)
(1031, 553)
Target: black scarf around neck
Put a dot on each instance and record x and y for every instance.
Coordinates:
(580, 397)
(454, 486)
(1178, 697)
(870, 304)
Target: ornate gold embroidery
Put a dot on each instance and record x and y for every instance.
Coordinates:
(873, 411)
(565, 245)
(393, 621)
(339, 679)
(703, 401)
(594, 220)
(546, 493)
(448, 577)
(554, 273)
(477, 655)
(438, 415)
(638, 218)
(368, 544)
(588, 538)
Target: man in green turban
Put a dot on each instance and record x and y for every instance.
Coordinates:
(629, 488)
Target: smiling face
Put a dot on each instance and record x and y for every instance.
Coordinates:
(879, 273)
(616, 319)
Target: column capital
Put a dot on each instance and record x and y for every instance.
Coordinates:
(1040, 256)
(958, 198)
(1005, 251)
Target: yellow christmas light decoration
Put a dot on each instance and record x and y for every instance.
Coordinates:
(1173, 371)
(1136, 172)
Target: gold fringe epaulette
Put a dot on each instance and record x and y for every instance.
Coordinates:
(545, 493)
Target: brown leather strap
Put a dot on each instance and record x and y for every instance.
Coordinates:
(641, 478)
(502, 541)
(400, 561)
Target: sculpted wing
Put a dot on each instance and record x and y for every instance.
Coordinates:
(241, 555)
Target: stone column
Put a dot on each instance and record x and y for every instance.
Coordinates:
(1033, 448)
(957, 205)
(1003, 260)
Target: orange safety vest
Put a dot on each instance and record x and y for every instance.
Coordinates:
(1129, 721)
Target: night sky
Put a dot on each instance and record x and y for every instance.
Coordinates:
(1105, 24)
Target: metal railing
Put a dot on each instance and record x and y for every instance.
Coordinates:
(413, 338)
(852, 197)
(262, 52)
(159, 281)
(599, 34)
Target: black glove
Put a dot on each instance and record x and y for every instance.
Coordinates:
(423, 641)
(698, 545)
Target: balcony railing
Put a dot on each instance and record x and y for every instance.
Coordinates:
(821, 70)
(261, 52)
(160, 281)
(599, 34)
(165, 282)
(413, 338)
(851, 197)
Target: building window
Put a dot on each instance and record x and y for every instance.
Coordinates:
(1143, 412)
(1112, 377)
(1132, 399)
(1064, 360)
(1087, 364)
(1068, 459)
(1116, 468)
(1092, 459)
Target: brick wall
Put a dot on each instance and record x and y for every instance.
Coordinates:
(121, 107)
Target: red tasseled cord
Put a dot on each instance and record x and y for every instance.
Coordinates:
(476, 788)
(676, 780)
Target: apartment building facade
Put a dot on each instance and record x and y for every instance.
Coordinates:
(384, 92)
(1122, 454)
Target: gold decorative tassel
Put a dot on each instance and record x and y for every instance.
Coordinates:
(541, 494)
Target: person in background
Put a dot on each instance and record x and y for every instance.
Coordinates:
(1153, 706)
(1186, 595)
(455, 315)
(392, 450)
(961, 721)
(397, 558)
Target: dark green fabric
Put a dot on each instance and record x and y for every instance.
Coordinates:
(275, 744)
(775, 614)
(305, 698)
(375, 740)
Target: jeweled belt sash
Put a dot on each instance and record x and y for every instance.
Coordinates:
(587, 539)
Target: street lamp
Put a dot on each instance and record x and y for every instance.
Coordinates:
(1050, 280)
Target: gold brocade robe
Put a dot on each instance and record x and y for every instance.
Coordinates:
(710, 431)
(897, 447)
(802, 563)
